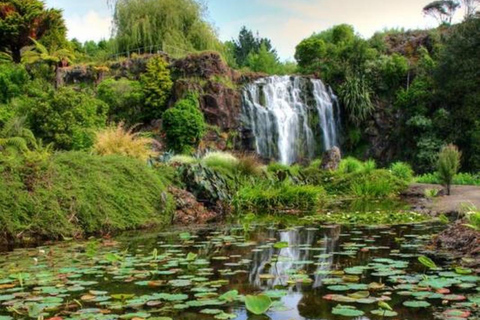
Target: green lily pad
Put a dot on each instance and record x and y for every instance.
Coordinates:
(258, 304)
(416, 304)
(347, 311)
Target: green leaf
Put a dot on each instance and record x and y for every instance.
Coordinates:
(347, 311)
(258, 304)
(427, 262)
(281, 245)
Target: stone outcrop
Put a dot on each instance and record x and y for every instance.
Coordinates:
(331, 159)
(188, 211)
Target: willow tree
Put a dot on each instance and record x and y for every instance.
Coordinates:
(24, 20)
(173, 26)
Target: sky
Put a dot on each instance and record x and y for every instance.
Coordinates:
(285, 22)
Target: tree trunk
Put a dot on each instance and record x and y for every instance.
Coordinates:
(448, 189)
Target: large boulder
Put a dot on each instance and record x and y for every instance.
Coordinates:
(331, 159)
(188, 211)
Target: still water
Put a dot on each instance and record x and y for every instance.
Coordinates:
(310, 272)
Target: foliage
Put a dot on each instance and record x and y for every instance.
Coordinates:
(125, 99)
(182, 159)
(448, 165)
(248, 45)
(273, 198)
(157, 86)
(75, 193)
(171, 26)
(354, 94)
(458, 83)
(258, 304)
(375, 185)
(473, 219)
(13, 79)
(39, 53)
(125, 142)
(184, 125)
(350, 165)
(15, 135)
(68, 118)
(459, 179)
(23, 20)
(402, 171)
(263, 61)
(442, 10)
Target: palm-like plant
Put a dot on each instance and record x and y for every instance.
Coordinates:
(355, 95)
(15, 135)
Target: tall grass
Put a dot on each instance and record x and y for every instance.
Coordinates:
(221, 161)
(350, 165)
(402, 171)
(272, 198)
(121, 141)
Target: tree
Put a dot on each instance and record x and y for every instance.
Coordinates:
(263, 61)
(470, 7)
(448, 165)
(184, 125)
(23, 20)
(247, 44)
(157, 86)
(174, 26)
(442, 10)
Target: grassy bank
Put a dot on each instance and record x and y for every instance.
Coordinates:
(75, 194)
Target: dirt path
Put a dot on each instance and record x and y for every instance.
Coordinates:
(461, 196)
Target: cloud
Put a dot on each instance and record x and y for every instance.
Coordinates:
(91, 26)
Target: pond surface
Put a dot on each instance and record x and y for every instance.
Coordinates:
(315, 272)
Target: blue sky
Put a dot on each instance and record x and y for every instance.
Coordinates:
(286, 22)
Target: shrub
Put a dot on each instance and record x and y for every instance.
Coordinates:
(123, 142)
(402, 171)
(13, 79)
(448, 165)
(466, 179)
(369, 166)
(157, 86)
(75, 193)
(222, 161)
(350, 165)
(68, 118)
(263, 198)
(375, 184)
(249, 166)
(125, 99)
(184, 125)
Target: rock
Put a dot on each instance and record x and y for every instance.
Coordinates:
(331, 159)
(188, 210)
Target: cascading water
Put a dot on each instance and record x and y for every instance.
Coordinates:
(291, 117)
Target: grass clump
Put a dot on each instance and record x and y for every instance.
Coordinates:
(121, 141)
(75, 193)
(182, 159)
(263, 198)
(448, 165)
(222, 161)
(402, 171)
(350, 165)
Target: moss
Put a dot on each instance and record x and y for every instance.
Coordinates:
(78, 194)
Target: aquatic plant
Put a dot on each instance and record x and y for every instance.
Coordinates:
(258, 304)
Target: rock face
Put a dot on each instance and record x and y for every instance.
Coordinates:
(331, 159)
(188, 210)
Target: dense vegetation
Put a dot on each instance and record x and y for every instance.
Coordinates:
(96, 156)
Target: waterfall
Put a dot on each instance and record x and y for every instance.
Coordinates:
(291, 118)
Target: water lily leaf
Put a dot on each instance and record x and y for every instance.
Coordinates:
(427, 262)
(225, 316)
(258, 304)
(191, 256)
(416, 304)
(211, 311)
(384, 313)
(281, 245)
(463, 271)
(347, 311)
(229, 296)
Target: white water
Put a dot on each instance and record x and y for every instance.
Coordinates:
(291, 117)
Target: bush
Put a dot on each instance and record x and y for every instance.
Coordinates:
(125, 99)
(79, 194)
(184, 125)
(123, 142)
(466, 179)
(448, 165)
(263, 198)
(68, 118)
(402, 171)
(157, 86)
(249, 166)
(13, 79)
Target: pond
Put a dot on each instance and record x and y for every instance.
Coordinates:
(309, 272)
